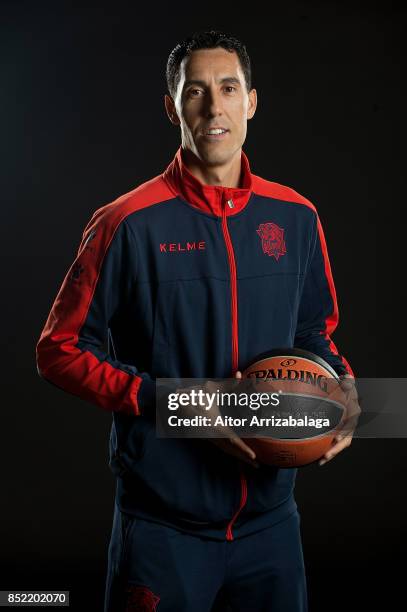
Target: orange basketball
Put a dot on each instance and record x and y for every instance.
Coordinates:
(312, 407)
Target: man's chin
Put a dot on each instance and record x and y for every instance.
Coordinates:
(211, 157)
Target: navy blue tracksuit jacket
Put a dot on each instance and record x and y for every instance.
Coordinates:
(180, 279)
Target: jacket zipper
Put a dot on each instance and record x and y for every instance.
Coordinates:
(233, 285)
(243, 499)
(235, 344)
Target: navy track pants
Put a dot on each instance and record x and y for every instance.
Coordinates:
(154, 567)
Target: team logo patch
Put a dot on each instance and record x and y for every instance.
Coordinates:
(272, 239)
(140, 598)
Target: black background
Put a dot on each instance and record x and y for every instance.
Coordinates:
(83, 121)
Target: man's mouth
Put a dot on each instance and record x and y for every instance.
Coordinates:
(215, 133)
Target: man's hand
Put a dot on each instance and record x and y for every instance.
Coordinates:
(230, 442)
(344, 438)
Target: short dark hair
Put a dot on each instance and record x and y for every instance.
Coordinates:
(209, 39)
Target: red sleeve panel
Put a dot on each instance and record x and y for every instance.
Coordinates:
(318, 314)
(69, 351)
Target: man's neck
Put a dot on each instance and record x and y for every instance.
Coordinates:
(227, 175)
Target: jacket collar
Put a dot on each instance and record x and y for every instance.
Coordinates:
(212, 199)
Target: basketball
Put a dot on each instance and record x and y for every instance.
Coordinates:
(311, 410)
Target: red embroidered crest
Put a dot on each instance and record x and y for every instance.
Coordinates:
(272, 239)
(141, 599)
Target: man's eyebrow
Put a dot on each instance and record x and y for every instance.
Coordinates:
(229, 79)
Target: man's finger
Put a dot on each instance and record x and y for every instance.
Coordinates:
(236, 441)
(342, 443)
(232, 449)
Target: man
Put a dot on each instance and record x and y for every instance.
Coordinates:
(176, 276)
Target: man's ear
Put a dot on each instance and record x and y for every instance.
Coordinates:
(170, 108)
(251, 107)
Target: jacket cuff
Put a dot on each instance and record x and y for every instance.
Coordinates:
(146, 395)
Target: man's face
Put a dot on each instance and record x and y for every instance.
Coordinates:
(212, 93)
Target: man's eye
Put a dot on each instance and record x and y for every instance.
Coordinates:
(193, 91)
(231, 87)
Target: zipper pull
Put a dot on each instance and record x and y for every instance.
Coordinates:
(228, 199)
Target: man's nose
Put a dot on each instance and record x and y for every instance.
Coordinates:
(214, 103)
